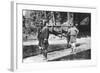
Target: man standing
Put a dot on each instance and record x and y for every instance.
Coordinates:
(43, 35)
(73, 32)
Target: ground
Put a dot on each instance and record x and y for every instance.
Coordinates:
(57, 50)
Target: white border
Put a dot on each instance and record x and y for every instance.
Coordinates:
(17, 52)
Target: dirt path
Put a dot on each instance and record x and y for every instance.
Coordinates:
(83, 45)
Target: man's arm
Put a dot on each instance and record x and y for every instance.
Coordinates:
(77, 31)
(68, 31)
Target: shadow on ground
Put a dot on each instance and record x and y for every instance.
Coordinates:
(78, 56)
(33, 50)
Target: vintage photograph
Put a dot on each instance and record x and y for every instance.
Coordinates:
(55, 36)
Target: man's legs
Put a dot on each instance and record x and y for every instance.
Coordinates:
(73, 47)
(68, 41)
(45, 47)
(45, 53)
(41, 46)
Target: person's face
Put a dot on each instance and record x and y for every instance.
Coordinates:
(76, 25)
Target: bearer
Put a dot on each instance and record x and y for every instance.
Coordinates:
(43, 35)
(73, 32)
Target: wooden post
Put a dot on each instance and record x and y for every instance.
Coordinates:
(70, 17)
(53, 18)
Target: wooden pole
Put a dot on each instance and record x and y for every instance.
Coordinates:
(70, 17)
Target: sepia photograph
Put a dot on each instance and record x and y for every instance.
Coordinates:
(55, 36)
